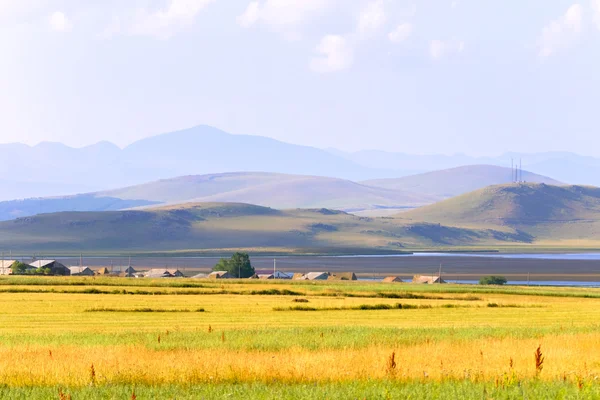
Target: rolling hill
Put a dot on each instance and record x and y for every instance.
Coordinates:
(221, 227)
(452, 182)
(261, 188)
(545, 212)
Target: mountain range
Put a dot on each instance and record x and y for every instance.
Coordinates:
(281, 191)
(524, 215)
(54, 169)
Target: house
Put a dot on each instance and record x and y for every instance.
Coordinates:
(81, 271)
(342, 276)
(392, 279)
(103, 271)
(274, 274)
(176, 273)
(201, 275)
(158, 273)
(55, 267)
(427, 279)
(129, 272)
(219, 275)
(6, 267)
(313, 276)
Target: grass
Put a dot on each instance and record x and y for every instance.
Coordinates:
(445, 341)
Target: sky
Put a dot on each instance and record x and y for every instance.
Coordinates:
(427, 76)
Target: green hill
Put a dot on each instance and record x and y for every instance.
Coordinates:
(546, 212)
(452, 182)
(225, 226)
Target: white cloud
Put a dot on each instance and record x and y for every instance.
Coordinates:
(335, 52)
(440, 48)
(401, 33)
(59, 22)
(164, 23)
(372, 18)
(281, 13)
(561, 32)
(596, 8)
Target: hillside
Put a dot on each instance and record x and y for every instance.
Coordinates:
(455, 181)
(546, 212)
(262, 188)
(225, 226)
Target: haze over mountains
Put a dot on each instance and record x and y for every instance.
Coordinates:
(54, 169)
(281, 191)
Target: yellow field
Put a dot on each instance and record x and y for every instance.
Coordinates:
(51, 339)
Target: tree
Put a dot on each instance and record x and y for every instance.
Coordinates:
(19, 268)
(238, 266)
(492, 280)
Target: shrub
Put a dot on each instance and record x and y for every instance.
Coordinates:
(493, 280)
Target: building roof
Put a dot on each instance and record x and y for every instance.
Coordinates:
(79, 270)
(312, 276)
(41, 263)
(342, 276)
(390, 279)
(103, 271)
(427, 279)
(7, 263)
(158, 273)
(219, 275)
(201, 275)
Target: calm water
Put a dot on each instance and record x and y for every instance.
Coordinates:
(548, 256)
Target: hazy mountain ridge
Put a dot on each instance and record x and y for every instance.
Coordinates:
(456, 181)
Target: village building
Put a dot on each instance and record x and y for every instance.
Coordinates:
(6, 267)
(103, 272)
(342, 276)
(219, 275)
(55, 267)
(176, 273)
(313, 276)
(427, 279)
(269, 274)
(128, 273)
(81, 271)
(158, 273)
(392, 279)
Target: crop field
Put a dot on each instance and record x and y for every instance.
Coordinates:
(116, 338)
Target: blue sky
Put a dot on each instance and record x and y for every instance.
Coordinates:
(427, 76)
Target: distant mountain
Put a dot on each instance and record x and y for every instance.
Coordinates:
(261, 188)
(563, 166)
(198, 150)
(455, 181)
(271, 190)
(226, 227)
(545, 212)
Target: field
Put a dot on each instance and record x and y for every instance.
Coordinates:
(136, 338)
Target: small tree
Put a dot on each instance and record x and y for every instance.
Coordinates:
(238, 265)
(19, 268)
(493, 280)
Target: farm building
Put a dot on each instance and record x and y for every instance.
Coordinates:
(313, 276)
(176, 273)
(219, 275)
(103, 271)
(129, 272)
(342, 276)
(55, 267)
(273, 274)
(81, 271)
(427, 279)
(201, 275)
(6, 267)
(158, 273)
(392, 279)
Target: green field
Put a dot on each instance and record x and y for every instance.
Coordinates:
(111, 338)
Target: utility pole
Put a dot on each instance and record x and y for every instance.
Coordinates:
(440, 274)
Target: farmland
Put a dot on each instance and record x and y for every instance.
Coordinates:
(113, 338)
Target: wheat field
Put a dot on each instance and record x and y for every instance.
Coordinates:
(85, 338)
